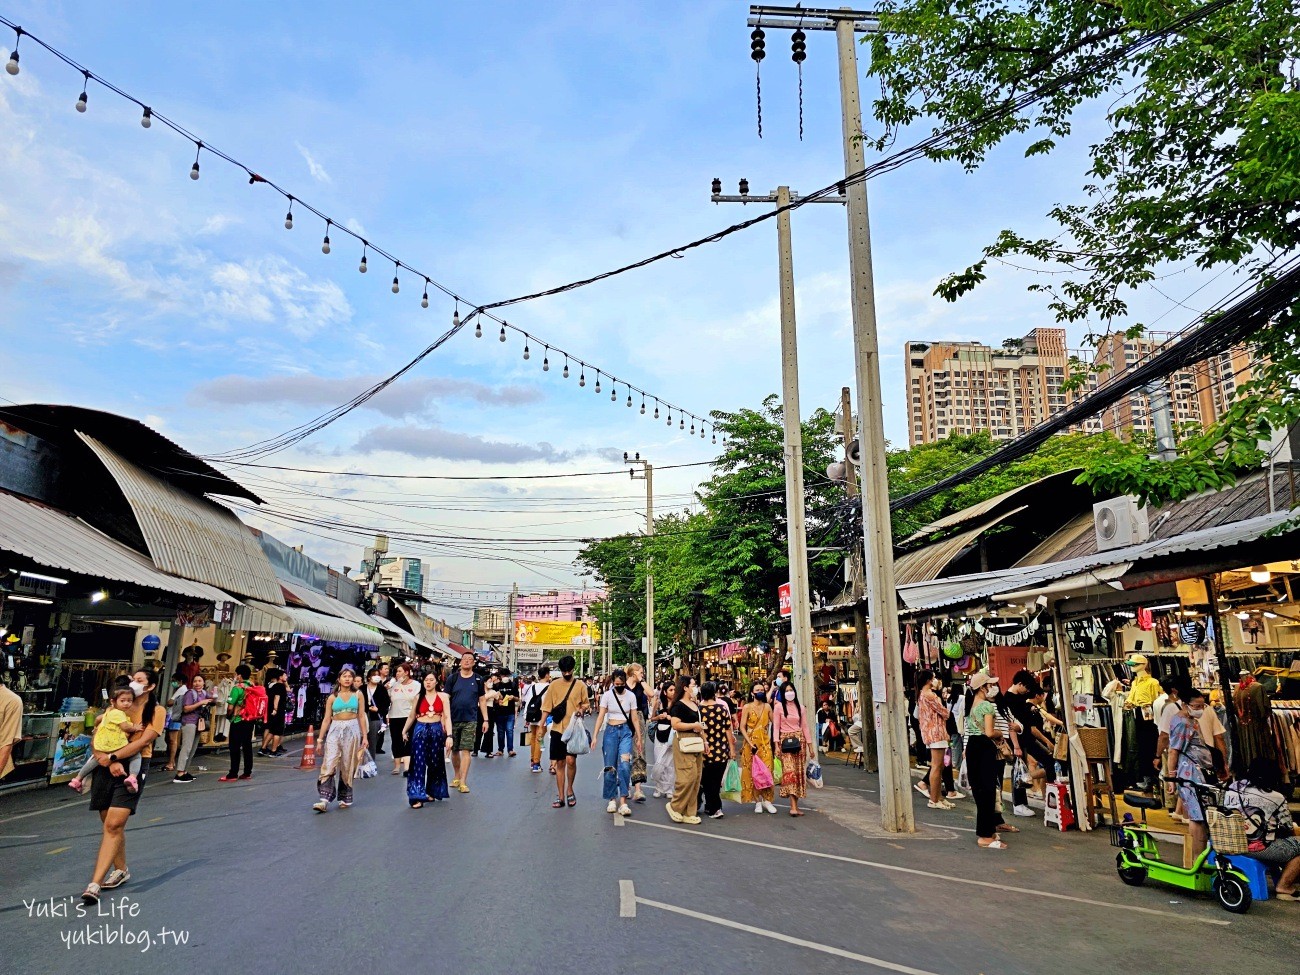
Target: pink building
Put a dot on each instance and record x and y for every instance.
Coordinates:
(558, 607)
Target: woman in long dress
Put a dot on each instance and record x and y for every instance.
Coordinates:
(663, 775)
(343, 737)
(426, 730)
(789, 722)
(756, 730)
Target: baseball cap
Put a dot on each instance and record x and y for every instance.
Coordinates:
(981, 679)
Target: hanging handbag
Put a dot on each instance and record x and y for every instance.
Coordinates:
(639, 773)
(910, 652)
(1004, 749)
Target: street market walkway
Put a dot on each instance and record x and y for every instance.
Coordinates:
(497, 881)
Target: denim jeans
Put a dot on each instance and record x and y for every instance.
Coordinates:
(505, 732)
(616, 746)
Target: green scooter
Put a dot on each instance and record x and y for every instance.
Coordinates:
(1139, 860)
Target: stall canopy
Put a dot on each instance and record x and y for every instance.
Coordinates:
(328, 605)
(263, 617)
(57, 540)
(422, 632)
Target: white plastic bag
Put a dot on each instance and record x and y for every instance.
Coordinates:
(575, 737)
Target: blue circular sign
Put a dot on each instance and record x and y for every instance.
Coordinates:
(151, 642)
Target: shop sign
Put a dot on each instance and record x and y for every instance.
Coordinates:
(528, 655)
(783, 598)
(838, 653)
(734, 648)
(556, 633)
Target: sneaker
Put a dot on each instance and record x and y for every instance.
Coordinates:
(758, 807)
(535, 768)
(941, 804)
(625, 810)
(345, 804)
(954, 796)
(284, 751)
(673, 814)
(184, 777)
(692, 820)
(612, 807)
(263, 753)
(717, 815)
(115, 878)
(246, 775)
(321, 806)
(228, 778)
(91, 894)
(768, 807)
(1022, 811)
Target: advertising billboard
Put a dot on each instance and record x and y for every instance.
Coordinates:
(555, 633)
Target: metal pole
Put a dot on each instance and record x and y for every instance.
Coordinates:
(511, 649)
(1158, 394)
(649, 580)
(891, 707)
(1078, 762)
(866, 711)
(800, 608)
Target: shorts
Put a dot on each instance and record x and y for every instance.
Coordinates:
(559, 750)
(275, 725)
(463, 734)
(173, 726)
(108, 792)
(1278, 853)
(937, 744)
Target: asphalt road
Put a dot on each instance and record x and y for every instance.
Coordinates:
(498, 882)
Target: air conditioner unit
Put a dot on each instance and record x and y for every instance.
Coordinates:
(1120, 521)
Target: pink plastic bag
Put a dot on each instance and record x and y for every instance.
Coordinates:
(761, 774)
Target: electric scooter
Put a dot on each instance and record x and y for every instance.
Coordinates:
(1139, 860)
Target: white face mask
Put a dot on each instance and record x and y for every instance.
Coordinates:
(137, 688)
(992, 691)
(376, 679)
(789, 695)
(1196, 712)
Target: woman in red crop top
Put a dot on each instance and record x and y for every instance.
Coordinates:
(426, 729)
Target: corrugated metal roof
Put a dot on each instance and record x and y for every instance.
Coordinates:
(988, 505)
(191, 536)
(423, 633)
(327, 604)
(60, 541)
(311, 623)
(928, 562)
(960, 590)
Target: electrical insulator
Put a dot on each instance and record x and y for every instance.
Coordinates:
(756, 45)
(744, 187)
(717, 187)
(798, 47)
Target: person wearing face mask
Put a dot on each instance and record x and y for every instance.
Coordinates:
(621, 720)
(932, 715)
(662, 772)
(790, 726)
(756, 733)
(983, 766)
(1191, 759)
(377, 702)
(688, 753)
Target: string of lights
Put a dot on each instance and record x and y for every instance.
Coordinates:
(650, 404)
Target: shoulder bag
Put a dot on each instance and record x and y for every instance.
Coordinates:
(691, 743)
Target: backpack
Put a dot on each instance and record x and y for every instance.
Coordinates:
(255, 703)
(533, 713)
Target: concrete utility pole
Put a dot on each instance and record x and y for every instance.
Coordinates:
(886, 660)
(866, 711)
(1158, 394)
(796, 531)
(512, 651)
(647, 475)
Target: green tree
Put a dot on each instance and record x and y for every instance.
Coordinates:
(1199, 166)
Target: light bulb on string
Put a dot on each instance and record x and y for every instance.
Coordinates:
(424, 299)
(146, 119)
(455, 317)
(288, 217)
(566, 366)
(670, 417)
(12, 64)
(692, 428)
(527, 353)
(629, 399)
(502, 336)
(363, 268)
(681, 425)
(613, 394)
(546, 360)
(397, 285)
(81, 101)
(643, 405)
(582, 377)
(715, 436)
(656, 409)
(194, 170)
(325, 244)
(478, 329)
(598, 380)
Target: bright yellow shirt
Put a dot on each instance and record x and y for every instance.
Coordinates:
(1144, 691)
(109, 736)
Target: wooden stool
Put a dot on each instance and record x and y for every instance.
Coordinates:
(1098, 784)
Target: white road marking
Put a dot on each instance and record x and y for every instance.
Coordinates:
(776, 936)
(937, 876)
(963, 829)
(626, 899)
(18, 836)
(618, 820)
(41, 812)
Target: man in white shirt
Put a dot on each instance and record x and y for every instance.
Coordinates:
(531, 703)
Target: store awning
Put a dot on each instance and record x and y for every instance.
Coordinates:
(421, 631)
(190, 536)
(57, 540)
(1024, 496)
(263, 617)
(328, 605)
(929, 562)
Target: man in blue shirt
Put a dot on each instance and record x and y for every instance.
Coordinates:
(469, 716)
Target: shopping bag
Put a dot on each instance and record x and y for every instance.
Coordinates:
(367, 768)
(778, 769)
(760, 774)
(814, 775)
(575, 737)
(638, 769)
(731, 782)
(665, 775)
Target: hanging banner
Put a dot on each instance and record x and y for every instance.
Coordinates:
(1005, 662)
(556, 633)
(783, 600)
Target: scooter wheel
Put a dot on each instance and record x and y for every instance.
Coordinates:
(1131, 875)
(1233, 893)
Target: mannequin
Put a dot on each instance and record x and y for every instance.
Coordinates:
(1142, 694)
(190, 668)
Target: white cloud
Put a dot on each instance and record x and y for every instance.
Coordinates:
(317, 171)
(273, 291)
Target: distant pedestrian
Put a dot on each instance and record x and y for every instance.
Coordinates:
(636, 684)
(196, 706)
(277, 700)
(402, 692)
(241, 729)
(793, 737)
(662, 774)
(377, 702)
(483, 741)
(565, 698)
(688, 753)
(343, 742)
(469, 717)
(504, 719)
(932, 716)
(756, 732)
(532, 705)
(983, 767)
(719, 747)
(113, 729)
(175, 693)
(622, 722)
(426, 730)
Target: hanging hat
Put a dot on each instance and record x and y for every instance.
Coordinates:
(223, 657)
(1136, 660)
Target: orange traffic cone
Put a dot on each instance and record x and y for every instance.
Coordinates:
(309, 752)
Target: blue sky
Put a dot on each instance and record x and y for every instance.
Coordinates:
(501, 148)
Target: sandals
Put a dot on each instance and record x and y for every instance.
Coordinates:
(573, 800)
(995, 845)
(1007, 828)
(796, 814)
(558, 804)
(417, 805)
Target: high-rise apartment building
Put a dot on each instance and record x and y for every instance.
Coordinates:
(964, 387)
(395, 572)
